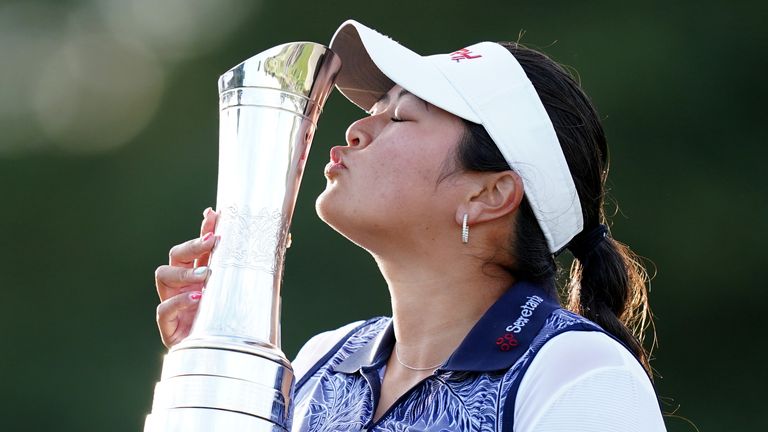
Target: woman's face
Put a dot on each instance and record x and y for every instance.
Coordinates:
(384, 185)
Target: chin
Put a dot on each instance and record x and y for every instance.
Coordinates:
(330, 208)
(322, 206)
(334, 211)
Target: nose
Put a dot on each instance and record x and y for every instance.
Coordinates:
(359, 133)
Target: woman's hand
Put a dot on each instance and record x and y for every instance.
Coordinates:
(180, 283)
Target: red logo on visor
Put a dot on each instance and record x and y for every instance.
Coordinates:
(463, 54)
(506, 342)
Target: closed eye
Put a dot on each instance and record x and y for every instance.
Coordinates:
(397, 120)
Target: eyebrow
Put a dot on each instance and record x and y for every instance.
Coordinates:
(403, 92)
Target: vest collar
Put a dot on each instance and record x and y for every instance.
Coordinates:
(501, 336)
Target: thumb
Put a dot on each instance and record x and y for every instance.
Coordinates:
(175, 316)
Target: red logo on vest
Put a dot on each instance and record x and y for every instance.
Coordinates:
(463, 54)
(507, 342)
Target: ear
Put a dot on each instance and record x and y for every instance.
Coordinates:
(497, 195)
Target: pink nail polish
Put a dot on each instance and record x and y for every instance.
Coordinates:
(207, 236)
(195, 296)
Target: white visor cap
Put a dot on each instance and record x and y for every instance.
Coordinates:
(484, 84)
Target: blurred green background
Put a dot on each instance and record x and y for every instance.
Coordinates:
(108, 147)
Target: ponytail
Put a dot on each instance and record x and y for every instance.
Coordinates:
(607, 283)
(608, 286)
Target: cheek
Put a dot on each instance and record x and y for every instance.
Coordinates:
(398, 176)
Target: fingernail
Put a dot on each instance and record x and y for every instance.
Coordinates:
(200, 271)
(195, 296)
(207, 211)
(207, 236)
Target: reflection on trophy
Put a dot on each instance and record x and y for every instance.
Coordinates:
(230, 374)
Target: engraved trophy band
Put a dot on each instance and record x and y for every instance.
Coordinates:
(230, 373)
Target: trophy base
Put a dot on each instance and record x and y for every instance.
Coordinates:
(206, 420)
(210, 386)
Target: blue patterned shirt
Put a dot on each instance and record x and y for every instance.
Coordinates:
(474, 390)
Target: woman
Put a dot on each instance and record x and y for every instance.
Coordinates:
(472, 172)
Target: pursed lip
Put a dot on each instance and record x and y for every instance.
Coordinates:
(336, 164)
(333, 168)
(336, 155)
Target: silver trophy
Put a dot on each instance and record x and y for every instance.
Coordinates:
(230, 374)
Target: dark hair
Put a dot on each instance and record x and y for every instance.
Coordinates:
(608, 285)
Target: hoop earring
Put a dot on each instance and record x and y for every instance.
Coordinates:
(465, 229)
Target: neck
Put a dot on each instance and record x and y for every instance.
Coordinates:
(435, 305)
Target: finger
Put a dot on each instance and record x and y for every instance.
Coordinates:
(209, 221)
(171, 281)
(208, 226)
(185, 254)
(175, 315)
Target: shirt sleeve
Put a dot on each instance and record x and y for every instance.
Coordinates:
(586, 381)
(317, 347)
